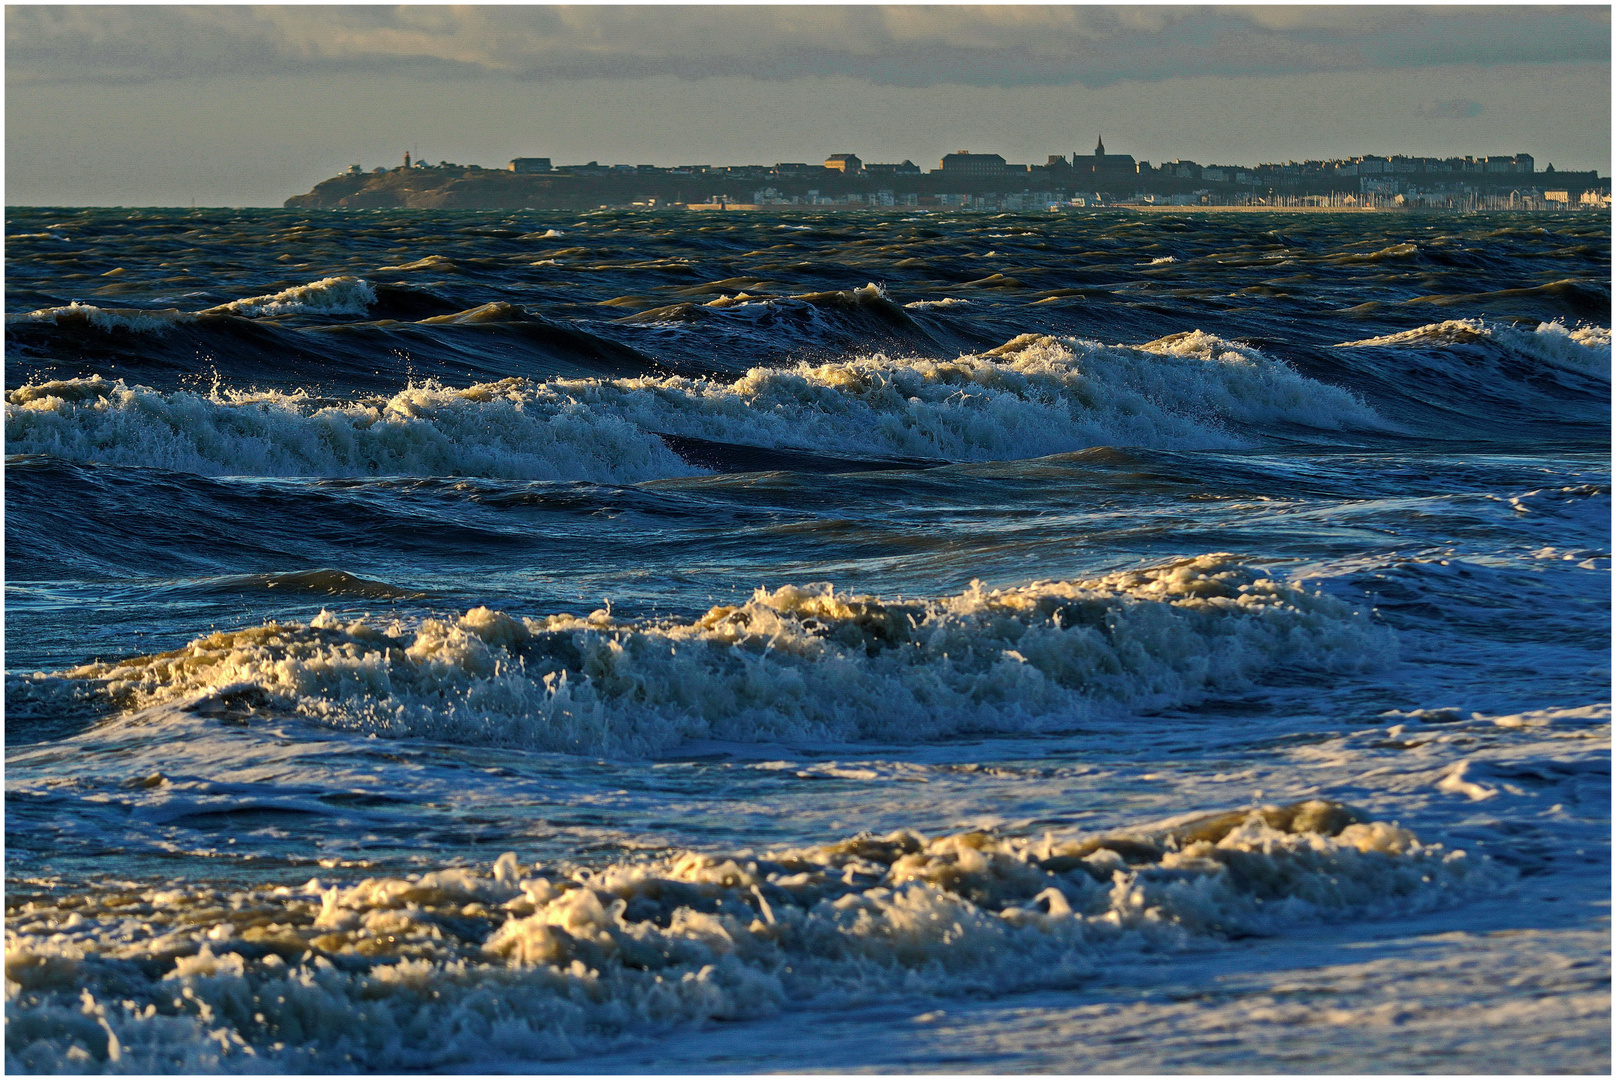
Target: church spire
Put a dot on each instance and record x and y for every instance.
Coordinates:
(1099, 147)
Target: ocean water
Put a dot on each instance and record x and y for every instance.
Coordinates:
(634, 642)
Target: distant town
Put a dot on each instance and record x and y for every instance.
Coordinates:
(964, 180)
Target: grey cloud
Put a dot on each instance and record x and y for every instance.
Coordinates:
(1457, 109)
(898, 46)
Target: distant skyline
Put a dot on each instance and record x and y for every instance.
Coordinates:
(246, 106)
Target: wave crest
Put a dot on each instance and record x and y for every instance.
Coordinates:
(328, 296)
(1582, 349)
(107, 320)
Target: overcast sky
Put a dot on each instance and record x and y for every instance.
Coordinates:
(248, 105)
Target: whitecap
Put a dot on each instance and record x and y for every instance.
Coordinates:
(328, 296)
(1583, 349)
(137, 320)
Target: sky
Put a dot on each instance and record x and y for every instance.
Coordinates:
(247, 105)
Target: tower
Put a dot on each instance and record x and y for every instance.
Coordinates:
(406, 159)
(1099, 147)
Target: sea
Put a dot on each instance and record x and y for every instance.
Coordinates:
(817, 640)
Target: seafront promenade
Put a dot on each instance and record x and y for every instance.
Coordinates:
(1151, 208)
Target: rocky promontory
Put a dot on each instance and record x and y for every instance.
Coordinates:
(473, 188)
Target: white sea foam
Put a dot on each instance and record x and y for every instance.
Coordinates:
(1163, 260)
(1583, 349)
(1030, 397)
(796, 663)
(328, 296)
(501, 431)
(108, 319)
(533, 963)
(947, 301)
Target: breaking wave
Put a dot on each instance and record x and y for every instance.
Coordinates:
(516, 431)
(1031, 397)
(533, 963)
(796, 663)
(1583, 349)
(107, 320)
(328, 296)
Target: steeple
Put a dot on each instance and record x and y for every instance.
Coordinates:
(1099, 147)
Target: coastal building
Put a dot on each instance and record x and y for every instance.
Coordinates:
(963, 163)
(530, 165)
(907, 168)
(1513, 163)
(1104, 165)
(848, 164)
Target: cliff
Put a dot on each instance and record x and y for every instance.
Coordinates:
(430, 188)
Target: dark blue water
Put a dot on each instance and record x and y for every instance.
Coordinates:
(367, 546)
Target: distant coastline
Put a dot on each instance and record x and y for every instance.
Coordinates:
(969, 181)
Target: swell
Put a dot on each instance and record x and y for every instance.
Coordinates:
(346, 334)
(176, 350)
(85, 522)
(321, 582)
(1568, 298)
(733, 332)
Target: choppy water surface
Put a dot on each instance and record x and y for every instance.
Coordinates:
(908, 642)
